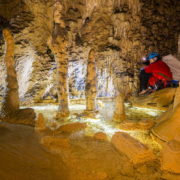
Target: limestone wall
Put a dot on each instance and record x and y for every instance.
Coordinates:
(121, 32)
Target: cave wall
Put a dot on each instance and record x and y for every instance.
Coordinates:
(121, 32)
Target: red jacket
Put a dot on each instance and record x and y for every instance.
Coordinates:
(160, 71)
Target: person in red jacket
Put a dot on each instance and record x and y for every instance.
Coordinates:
(154, 76)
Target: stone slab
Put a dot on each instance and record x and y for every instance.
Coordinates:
(132, 148)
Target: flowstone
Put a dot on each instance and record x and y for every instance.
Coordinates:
(171, 157)
(168, 129)
(157, 100)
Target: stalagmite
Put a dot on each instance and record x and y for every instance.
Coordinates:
(59, 47)
(119, 114)
(122, 91)
(10, 106)
(11, 100)
(91, 88)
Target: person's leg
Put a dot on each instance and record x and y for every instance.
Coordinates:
(144, 78)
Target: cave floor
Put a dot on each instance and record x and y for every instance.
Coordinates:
(23, 157)
(103, 122)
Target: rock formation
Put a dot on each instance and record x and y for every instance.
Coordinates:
(10, 110)
(11, 99)
(91, 86)
(119, 113)
(168, 128)
(59, 47)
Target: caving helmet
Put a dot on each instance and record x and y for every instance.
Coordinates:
(153, 55)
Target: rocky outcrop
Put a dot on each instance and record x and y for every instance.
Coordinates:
(168, 127)
(160, 99)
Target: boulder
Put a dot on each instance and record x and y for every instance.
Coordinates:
(22, 116)
(171, 157)
(101, 136)
(132, 148)
(72, 127)
(141, 125)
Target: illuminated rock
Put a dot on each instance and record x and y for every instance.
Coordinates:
(55, 143)
(40, 123)
(101, 136)
(142, 125)
(134, 150)
(160, 99)
(171, 157)
(73, 127)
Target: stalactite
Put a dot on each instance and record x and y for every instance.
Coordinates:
(134, 5)
(11, 100)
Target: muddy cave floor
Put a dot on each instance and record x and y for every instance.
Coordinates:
(23, 157)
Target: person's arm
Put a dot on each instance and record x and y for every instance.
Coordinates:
(148, 69)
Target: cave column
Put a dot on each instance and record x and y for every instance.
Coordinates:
(11, 100)
(59, 45)
(62, 80)
(91, 81)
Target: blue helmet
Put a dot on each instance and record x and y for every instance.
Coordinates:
(153, 55)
